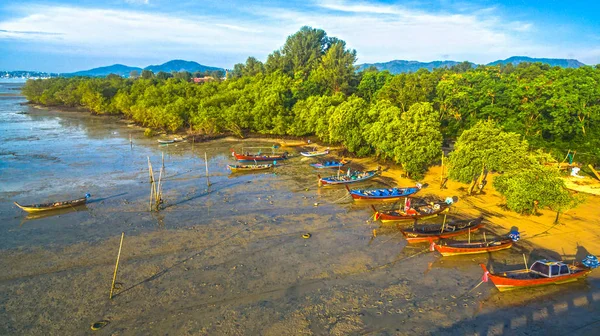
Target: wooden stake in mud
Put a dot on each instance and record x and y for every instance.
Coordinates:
(152, 184)
(112, 287)
(525, 260)
(206, 164)
(158, 191)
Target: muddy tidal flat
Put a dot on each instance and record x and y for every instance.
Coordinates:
(227, 256)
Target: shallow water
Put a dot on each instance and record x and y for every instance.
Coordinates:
(228, 258)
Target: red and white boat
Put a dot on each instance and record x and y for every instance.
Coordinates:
(542, 272)
(259, 157)
(453, 248)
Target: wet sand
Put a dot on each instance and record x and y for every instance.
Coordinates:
(230, 258)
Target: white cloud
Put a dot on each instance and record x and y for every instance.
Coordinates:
(120, 32)
(379, 33)
(141, 2)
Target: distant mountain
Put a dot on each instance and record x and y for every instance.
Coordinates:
(117, 69)
(561, 62)
(124, 70)
(180, 65)
(400, 66)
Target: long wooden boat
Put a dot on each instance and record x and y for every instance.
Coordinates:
(315, 153)
(244, 168)
(419, 209)
(542, 272)
(53, 205)
(433, 232)
(329, 164)
(345, 179)
(259, 157)
(165, 142)
(390, 194)
(464, 247)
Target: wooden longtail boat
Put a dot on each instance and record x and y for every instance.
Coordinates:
(244, 168)
(259, 157)
(462, 247)
(315, 153)
(345, 179)
(53, 205)
(419, 209)
(164, 142)
(391, 194)
(432, 232)
(329, 164)
(542, 272)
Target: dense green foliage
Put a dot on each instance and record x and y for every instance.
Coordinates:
(485, 144)
(534, 187)
(310, 87)
(411, 138)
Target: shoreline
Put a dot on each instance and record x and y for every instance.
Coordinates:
(578, 222)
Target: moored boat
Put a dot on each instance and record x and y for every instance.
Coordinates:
(53, 205)
(453, 248)
(389, 194)
(433, 232)
(169, 141)
(348, 178)
(259, 157)
(329, 164)
(414, 208)
(542, 272)
(244, 168)
(315, 153)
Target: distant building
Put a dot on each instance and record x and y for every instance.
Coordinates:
(203, 79)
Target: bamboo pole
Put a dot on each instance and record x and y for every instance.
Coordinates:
(485, 240)
(525, 260)
(206, 164)
(112, 287)
(159, 189)
(130, 141)
(469, 235)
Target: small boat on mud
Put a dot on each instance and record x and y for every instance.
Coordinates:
(170, 141)
(348, 178)
(315, 153)
(247, 168)
(432, 232)
(453, 248)
(415, 208)
(329, 164)
(390, 194)
(53, 205)
(542, 272)
(259, 157)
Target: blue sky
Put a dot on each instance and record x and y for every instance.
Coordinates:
(70, 35)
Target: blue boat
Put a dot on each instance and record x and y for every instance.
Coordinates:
(348, 178)
(390, 194)
(329, 164)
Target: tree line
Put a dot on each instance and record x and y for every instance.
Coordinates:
(310, 86)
